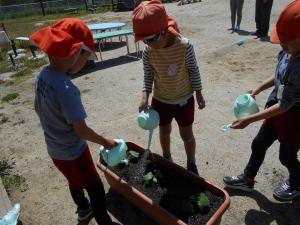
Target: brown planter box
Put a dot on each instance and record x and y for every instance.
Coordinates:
(159, 214)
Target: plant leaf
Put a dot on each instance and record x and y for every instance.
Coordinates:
(134, 154)
(203, 201)
(148, 176)
(154, 179)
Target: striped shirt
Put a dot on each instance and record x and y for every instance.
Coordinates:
(173, 72)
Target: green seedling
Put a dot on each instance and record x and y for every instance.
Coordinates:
(133, 154)
(130, 155)
(150, 177)
(202, 201)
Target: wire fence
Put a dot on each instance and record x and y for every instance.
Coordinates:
(50, 7)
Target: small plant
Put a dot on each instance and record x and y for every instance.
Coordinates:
(10, 97)
(150, 177)
(131, 156)
(202, 201)
(199, 202)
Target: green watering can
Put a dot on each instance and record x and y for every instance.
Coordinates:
(245, 105)
(115, 155)
(148, 121)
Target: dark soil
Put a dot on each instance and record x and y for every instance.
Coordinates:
(172, 191)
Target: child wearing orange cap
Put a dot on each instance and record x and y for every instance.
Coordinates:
(282, 113)
(69, 44)
(171, 69)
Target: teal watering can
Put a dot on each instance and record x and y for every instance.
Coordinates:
(148, 121)
(245, 105)
(115, 155)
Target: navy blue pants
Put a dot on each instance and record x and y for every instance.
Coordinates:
(97, 197)
(262, 16)
(287, 155)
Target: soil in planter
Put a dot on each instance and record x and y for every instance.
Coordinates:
(170, 190)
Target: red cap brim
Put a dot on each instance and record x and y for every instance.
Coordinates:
(274, 36)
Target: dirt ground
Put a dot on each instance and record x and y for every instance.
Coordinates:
(111, 93)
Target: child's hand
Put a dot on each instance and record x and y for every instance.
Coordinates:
(143, 105)
(253, 92)
(240, 123)
(200, 100)
(109, 143)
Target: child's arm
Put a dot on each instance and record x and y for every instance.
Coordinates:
(263, 86)
(86, 133)
(144, 102)
(274, 110)
(148, 81)
(194, 74)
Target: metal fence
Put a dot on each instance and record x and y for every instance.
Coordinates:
(50, 7)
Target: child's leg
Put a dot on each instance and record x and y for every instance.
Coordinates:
(288, 158)
(97, 196)
(188, 138)
(233, 7)
(79, 198)
(165, 140)
(240, 4)
(263, 140)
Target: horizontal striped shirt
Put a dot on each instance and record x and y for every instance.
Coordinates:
(156, 61)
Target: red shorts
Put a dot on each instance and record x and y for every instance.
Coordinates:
(81, 172)
(287, 126)
(184, 115)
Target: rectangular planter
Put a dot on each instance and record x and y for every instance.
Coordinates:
(159, 214)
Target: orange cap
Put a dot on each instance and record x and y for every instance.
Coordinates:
(288, 25)
(64, 38)
(150, 17)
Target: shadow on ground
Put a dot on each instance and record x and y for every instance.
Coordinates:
(283, 213)
(242, 32)
(92, 66)
(124, 211)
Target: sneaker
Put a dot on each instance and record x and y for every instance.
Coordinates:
(256, 33)
(285, 192)
(237, 28)
(192, 168)
(238, 182)
(84, 214)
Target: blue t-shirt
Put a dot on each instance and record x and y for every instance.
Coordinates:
(59, 105)
(287, 82)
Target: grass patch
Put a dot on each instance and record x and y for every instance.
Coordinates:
(85, 91)
(22, 73)
(10, 180)
(10, 97)
(3, 119)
